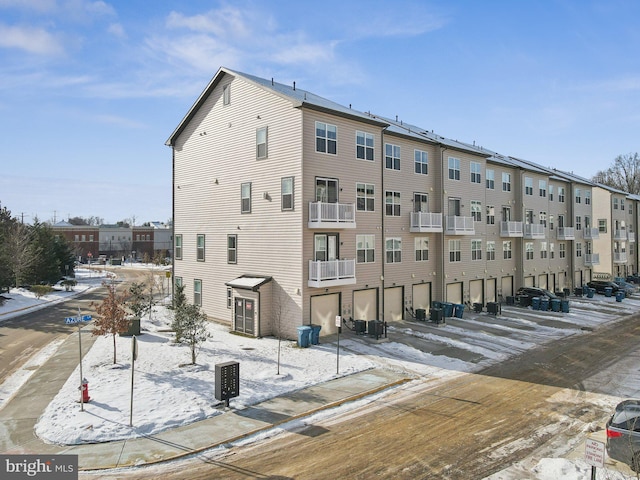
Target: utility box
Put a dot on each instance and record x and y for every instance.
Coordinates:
(227, 381)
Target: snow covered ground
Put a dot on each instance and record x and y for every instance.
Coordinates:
(169, 392)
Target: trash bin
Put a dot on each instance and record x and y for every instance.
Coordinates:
(304, 332)
(565, 306)
(437, 315)
(556, 304)
(494, 308)
(421, 314)
(524, 301)
(511, 300)
(375, 328)
(608, 291)
(459, 310)
(590, 292)
(477, 307)
(315, 334)
(360, 326)
(619, 295)
(535, 303)
(544, 303)
(578, 291)
(436, 304)
(447, 309)
(567, 292)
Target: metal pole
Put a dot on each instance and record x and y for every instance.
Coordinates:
(133, 362)
(338, 353)
(80, 347)
(593, 472)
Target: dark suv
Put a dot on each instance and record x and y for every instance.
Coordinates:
(623, 434)
(600, 285)
(530, 292)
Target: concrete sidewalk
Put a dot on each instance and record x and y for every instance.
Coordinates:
(20, 414)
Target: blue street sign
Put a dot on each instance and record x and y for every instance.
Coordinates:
(70, 320)
(86, 318)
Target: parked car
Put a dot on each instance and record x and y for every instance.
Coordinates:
(530, 292)
(600, 285)
(628, 287)
(623, 434)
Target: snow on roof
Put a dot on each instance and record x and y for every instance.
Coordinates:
(248, 282)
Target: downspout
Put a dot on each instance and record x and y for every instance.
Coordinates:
(173, 220)
(444, 223)
(382, 214)
(572, 244)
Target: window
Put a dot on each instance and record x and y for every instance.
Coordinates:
(261, 142)
(226, 94)
(602, 225)
(326, 138)
(245, 197)
(365, 197)
(543, 250)
(528, 186)
(587, 222)
(491, 215)
(476, 210)
(578, 196)
(587, 197)
(491, 179)
(476, 175)
(365, 246)
(393, 248)
(420, 202)
(178, 247)
(551, 193)
(528, 217)
(177, 281)
(542, 188)
(286, 193)
(543, 218)
(476, 249)
(454, 168)
(622, 204)
(91, 238)
(550, 222)
(421, 162)
(392, 200)
(229, 297)
(529, 250)
(392, 156)
(562, 250)
(561, 194)
(454, 251)
(197, 292)
(200, 248)
(364, 146)
(422, 249)
(506, 249)
(578, 249)
(491, 250)
(76, 238)
(506, 182)
(552, 248)
(232, 248)
(578, 222)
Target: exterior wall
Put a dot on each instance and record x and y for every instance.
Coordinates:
(562, 267)
(82, 238)
(163, 240)
(604, 244)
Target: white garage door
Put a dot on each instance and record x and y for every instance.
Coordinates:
(507, 286)
(324, 309)
(491, 290)
(422, 296)
(365, 304)
(393, 304)
(528, 282)
(542, 281)
(475, 291)
(454, 292)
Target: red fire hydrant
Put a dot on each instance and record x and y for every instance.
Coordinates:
(85, 391)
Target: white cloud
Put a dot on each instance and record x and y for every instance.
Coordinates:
(30, 39)
(117, 30)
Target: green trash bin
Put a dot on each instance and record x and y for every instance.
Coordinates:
(448, 309)
(556, 304)
(459, 310)
(304, 334)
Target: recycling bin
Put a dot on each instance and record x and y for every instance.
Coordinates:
(619, 295)
(590, 292)
(437, 315)
(315, 334)
(421, 314)
(436, 304)
(459, 310)
(608, 291)
(304, 333)
(544, 303)
(535, 303)
(565, 306)
(477, 307)
(556, 304)
(448, 309)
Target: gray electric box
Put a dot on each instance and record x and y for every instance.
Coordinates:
(227, 381)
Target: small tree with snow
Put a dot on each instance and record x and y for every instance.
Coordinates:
(111, 316)
(190, 325)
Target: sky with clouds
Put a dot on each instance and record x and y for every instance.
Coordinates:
(91, 90)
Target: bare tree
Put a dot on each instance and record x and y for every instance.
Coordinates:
(280, 309)
(111, 315)
(623, 174)
(22, 254)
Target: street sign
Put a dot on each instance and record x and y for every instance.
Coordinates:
(70, 320)
(594, 453)
(86, 318)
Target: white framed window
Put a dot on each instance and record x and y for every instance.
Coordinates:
(587, 197)
(420, 202)
(391, 156)
(245, 198)
(552, 250)
(261, 142)
(529, 250)
(232, 248)
(542, 218)
(226, 94)
(365, 248)
(491, 215)
(578, 195)
(491, 250)
(491, 179)
(528, 186)
(602, 225)
(197, 292)
(286, 193)
(506, 182)
(506, 249)
(476, 249)
(392, 203)
(326, 138)
(365, 197)
(543, 250)
(200, 244)
(454, 251)
(578, 222)
(561, 194)
(454, 168)
(562, 250)
(476, 210)
(622, 204)
(578, 249)
(364, 146)
(542, 188)
(229, 297)
(422, 249)
(551, 193)
(476, 172)
(421, 162)
(393, 249)
(178, 247)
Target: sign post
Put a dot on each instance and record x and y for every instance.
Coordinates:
(134, 357)
(78, 321)
(339, 325)
(594, 455)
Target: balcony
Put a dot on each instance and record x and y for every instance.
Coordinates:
(424, 222)
(631, 237)
(460, 226)
(566, 233)
(331, 273)
(591, 233)
(592, 259)
(332, 215)
(511, 229)
(534, 230)
(620, 235)
(619, 257)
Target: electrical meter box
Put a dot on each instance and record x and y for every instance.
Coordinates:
(227, 381)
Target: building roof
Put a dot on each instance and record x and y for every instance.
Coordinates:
(249, 282)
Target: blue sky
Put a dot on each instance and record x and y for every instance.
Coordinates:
(91, 90)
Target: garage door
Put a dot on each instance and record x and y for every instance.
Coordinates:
(475, 291)
(454, 292)
(422, 296)
(506, 283)
(587, 276)
(542, 281)
(324, 309)
(577, 278)
(491, 290)
(365, 304)
(528, 282)
(562, 280)
(393, 304)
(552, 282)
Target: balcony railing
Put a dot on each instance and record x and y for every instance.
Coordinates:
(331, 272)
(534, 230)
(426, 222)
(332, 215)
(620, 235)
(460, 226)
(511, 229)
(591, 233)
(566, 233)
(620, 257)
(631, 237)
(592, 259)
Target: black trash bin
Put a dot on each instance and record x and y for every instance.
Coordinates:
(376, 328)
(477, 307)
(421, 314)
(437, 315)
(511, 300)
(493, 308)
(360, 326)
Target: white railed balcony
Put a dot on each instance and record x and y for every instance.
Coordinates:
(620, 235)
(332, 215)
(631, 237)
(592, 259)
(619, 257)
(511, 229)
(591, 233)
(534, 230)
(460, 226)
(422, 222)
(331, 273)
(566, 233)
